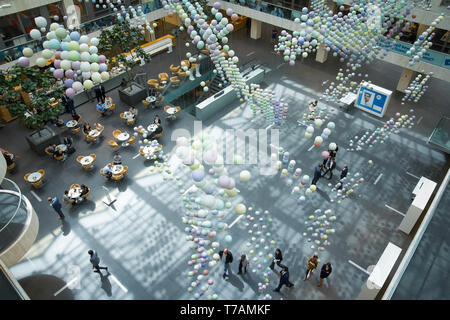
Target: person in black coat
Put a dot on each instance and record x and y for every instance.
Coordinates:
(158, 130)
(344, 172)
(227, 257)
(317, 173)
(99, 94)
(70, 105)
(277, 259)
(68, 141)
(103, 91)
(331, 164)
(324, 272)
(284, 279)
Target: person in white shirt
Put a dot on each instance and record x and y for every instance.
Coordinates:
(108, 170)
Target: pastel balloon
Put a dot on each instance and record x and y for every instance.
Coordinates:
(245, 175)
(240, 209)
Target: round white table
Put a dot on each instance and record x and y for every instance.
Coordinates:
(171, 110)
(117, 169)
(75, 193)
(128, 115)
(87, 160)
(150, 99)
(71, 123)
(108, 103)
(34, 177)
(152, 127)
(61, 147)
(124, 136)
(94, 133)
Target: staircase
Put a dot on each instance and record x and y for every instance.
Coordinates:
(215, 85)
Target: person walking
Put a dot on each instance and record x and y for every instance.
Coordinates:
(324, 272)
(312, 265)
(56, 205)
(317, 173)
(284, 279)
(277, 259)
(344, 172)
(227, 258)
(331, 164)
(95, 260)
(243, 263)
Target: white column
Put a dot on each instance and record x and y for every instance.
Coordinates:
(255, 29)
(405, 80)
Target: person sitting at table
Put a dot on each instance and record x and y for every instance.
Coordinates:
(158, 130)
(68, 141)
(117, 159)
(152, 92)
(9, 157)
(60, 123)
(98, 126)
(100, 107)
(133, 112)
(108, 170)
(84, 190)
(52, 148)
(76, 116)
(66, 197)
(58, 153)
(157, 120)
(86, 128)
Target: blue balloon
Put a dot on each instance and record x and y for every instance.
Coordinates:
(75, 36)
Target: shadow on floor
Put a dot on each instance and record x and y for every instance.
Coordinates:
(44, 287)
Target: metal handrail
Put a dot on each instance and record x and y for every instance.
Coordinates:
(18, 206)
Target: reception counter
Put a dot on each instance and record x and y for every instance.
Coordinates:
(223, 98)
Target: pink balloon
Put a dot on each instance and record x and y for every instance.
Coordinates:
(58, 73)
(70, 92)
(24, 62)
(224, 181)
(69, 73)
(325, 154)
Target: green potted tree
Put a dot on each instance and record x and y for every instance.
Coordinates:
(114, 43)
(33, 96)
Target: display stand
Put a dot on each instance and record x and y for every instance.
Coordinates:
(423, 191)
(373, 99)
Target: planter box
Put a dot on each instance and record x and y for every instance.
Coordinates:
(133, 94)
(39, 143)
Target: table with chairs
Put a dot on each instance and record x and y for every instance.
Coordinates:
(118, 171)
(129, 117)
(149, 101)
(108, 106)
(123, 137)
(35, 178)
(171, 112)
(87, 161)
(151, 151)
(76, 193)
(94, 134)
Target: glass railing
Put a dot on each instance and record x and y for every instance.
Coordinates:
(270, 8)
(15, 52)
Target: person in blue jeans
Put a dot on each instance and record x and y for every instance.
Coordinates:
(227, 258)
(56, 205)
(284, 279)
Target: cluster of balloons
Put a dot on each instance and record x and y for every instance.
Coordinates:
(318, 227)
(383, 133)
(358, 36)
(273, 109)
(213, 37)
(74, 55)
(346, 186)
(416, 88)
